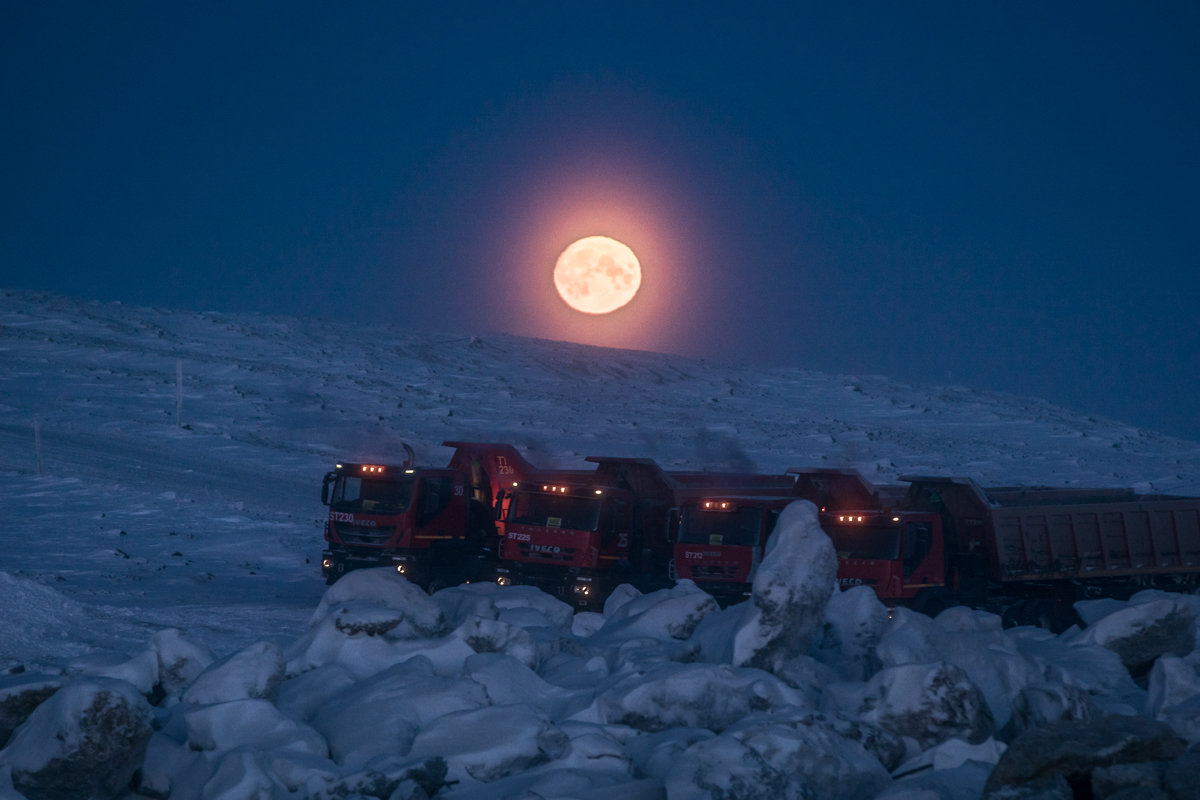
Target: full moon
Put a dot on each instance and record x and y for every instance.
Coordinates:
(597, 275)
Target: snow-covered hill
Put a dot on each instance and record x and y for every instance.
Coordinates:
(131, 507)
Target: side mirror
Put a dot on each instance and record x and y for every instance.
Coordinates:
(673, 526)
(330, 477)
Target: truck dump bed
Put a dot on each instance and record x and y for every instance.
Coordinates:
(1046, 533)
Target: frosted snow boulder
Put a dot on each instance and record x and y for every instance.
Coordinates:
(495, 636)
(382, 714)
(1171, 682)
(832, 766)
(371, 619)
(180, 662)
(790, 591)
(1095, 669)
(786, 612)
(508, 681)
(486, 744)
(668, 614)
(360, 600)
(855, 620)
(1074, 749)
(928, 703)
(242, 773)
(691, 696)
(84, 741)
(253, 672)
(141, 670)
(19, 695)
(1037, 706)
(1140, 633)
(249, 723)
(910, 638)
(724, 768)
(524, 606)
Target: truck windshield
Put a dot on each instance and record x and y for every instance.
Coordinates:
(555, 511)
(742, 527)
(371, 495)
(878, 542)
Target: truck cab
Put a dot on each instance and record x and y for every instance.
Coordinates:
(899, 554)
(567, 537)
(432, 525)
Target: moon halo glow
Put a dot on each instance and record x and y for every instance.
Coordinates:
(597, 275)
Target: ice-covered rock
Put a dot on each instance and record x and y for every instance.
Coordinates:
(654, 754)
(724, 768)
(20, 694)
(360, 599)
(382, 714)
(180, 661)
(249, 723)
(974, 641)
(1184, 719)
(253, 672)
(242, 773)
(495, 636)
(910, 638)
(887, 747)
(786, 612)
(831, 765)
(668, 614)
(928, 703)
(86, 740)
(524, 606)
(1092, 668)
(691, 696)
(618, 597)
(486, 744)
(389, 779)
(302, 696)
(1140, 633)
(170, 768)
(1074, 749)
(508, 681)
(1037, 706)
(364, 653)
(953, 753)
(140, 670)
(855, 620)
(791, 588)
(1171, 682)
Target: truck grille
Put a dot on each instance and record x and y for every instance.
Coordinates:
(713, 571)
(354, 534)
(564, 555)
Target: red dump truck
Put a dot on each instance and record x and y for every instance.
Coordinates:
(581, 537)
(1031, 552)
(433, 525)
(1027, 553)
(721, 537)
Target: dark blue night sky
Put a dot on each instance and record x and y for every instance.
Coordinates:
(1001, 195)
